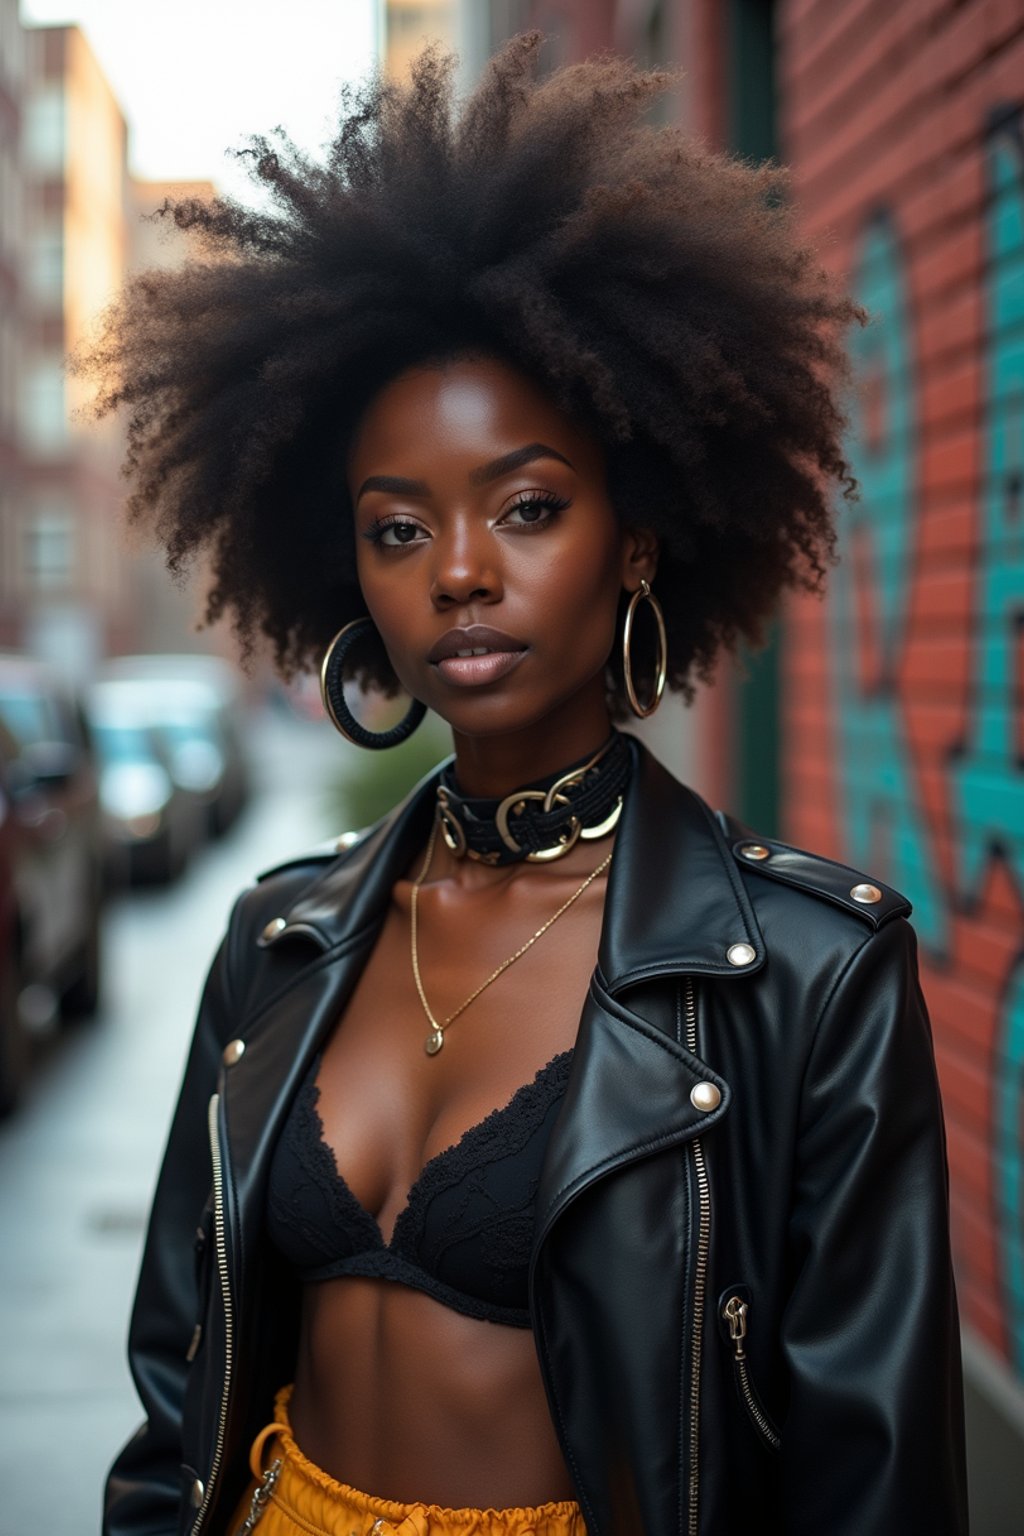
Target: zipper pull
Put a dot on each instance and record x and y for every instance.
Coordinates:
(735, 1310)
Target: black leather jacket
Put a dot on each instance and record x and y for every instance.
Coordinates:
(766, 1133)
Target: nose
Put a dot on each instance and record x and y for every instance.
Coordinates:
(466, 567)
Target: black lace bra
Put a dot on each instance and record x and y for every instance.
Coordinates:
(465, 1233)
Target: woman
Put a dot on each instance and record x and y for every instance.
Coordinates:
(458, 1229)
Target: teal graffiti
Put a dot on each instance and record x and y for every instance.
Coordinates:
(883, 826)
(987, 781)
(882, 821)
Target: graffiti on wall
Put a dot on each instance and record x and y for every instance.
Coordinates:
(926, 634)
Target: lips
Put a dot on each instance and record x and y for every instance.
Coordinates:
(476, 654)
(479, 638)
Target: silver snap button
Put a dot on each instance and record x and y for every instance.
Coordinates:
(274, 927)
(755, 851)
(705, 1096)
(198, 1493)
(233, 1051)
(346, 840)
(740, 954)
(866, 893)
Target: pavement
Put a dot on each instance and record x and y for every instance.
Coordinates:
(79, 1159)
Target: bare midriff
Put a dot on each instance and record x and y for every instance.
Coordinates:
(395, 1393)
(409, 1400)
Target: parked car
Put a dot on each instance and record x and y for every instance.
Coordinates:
(152, 826)
(54, 853)
(14, 1042)
(195, 702)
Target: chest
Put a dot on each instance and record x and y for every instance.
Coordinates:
(390, 1112)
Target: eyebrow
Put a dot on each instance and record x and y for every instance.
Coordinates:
(398, 485)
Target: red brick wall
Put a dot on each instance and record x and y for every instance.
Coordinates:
(903, 742)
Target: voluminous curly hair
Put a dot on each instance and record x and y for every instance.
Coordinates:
(654, 287)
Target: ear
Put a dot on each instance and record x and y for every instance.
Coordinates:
(640, 550)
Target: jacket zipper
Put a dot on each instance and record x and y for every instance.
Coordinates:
(700, 1276)
(735, 1311)
(220, 1236)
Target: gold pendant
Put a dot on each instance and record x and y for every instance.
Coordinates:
(434, 1041)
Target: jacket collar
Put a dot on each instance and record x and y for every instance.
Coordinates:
(675, 900)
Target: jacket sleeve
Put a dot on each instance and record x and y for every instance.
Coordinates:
(143, 1489)
(873, 1439)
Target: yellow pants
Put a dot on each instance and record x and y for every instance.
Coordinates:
(289, 1496)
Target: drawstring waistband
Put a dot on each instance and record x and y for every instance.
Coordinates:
(292, 1496)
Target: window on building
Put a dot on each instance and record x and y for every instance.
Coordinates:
(44, 130)
(46, 266)
(45, 412)
(48, 544)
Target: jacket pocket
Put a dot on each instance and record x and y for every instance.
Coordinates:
(734, 1309)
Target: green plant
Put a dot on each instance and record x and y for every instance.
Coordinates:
(368, 784)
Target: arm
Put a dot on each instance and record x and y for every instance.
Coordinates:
(144, 1484)
(874, 1436)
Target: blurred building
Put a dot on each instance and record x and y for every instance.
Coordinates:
(410, 23)
(69, 597)
(465, 26)
(166, 614)
(12, 293)
(74, 586)
(885, 726)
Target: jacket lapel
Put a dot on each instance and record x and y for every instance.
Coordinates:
(628, 1095)
(674, 906)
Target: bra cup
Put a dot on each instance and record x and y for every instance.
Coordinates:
(306, 1198)
(466, 1230)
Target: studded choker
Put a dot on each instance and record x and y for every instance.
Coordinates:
(545, 818)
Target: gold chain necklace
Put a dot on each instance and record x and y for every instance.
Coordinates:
(435, 1039)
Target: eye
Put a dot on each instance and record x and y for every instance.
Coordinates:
(393, 532)
(533, 509)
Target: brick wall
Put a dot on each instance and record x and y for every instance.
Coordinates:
(903, 720)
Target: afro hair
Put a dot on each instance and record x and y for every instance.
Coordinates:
(654, 287)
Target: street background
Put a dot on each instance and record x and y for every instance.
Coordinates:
(79, 1160)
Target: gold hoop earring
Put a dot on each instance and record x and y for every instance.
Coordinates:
(643, 593)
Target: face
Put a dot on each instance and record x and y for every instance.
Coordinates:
(488, 553)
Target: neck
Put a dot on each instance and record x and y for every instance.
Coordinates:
(493, 766)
